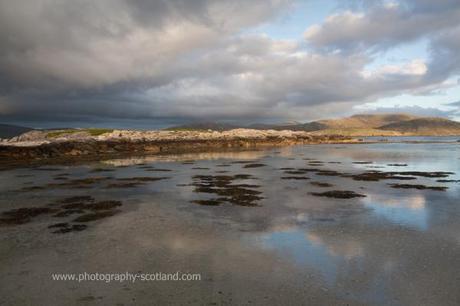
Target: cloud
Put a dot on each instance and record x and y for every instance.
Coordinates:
(445, 53)
(455, 108)
(139, 59)
(243, 77)
(86, 44)
(414, 67)
(382, 26)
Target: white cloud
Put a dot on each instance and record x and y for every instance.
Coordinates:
(416, 67)
(380, 27)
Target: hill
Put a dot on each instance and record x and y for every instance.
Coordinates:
(425, 126)
(8, 131)
(357, 132)
(388, 125)
(357, 125)
(365, 121)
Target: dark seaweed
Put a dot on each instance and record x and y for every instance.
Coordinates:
(418, 187)
(338, 194)
(223, 186)
(254, 165)
(68, 229)
(23, 215)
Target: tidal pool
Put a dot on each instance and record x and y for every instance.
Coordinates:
(304, 225)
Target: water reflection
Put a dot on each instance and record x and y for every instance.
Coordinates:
(292, 247)
(409, 210)
(244, 155)
(307, 249)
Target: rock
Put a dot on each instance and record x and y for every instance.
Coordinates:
(30, 136)
(39, 144)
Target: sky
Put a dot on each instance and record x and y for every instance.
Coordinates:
(156, 63)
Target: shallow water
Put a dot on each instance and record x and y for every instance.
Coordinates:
(285, 246)
(436, 139)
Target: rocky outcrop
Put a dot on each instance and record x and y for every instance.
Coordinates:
(35, 147)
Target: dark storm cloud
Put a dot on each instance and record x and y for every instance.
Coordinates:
(139, 59)
(83, 44)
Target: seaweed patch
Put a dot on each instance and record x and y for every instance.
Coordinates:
(255, 165)
(418, 187)
(23, 215)
(338, 194)
(224, 187)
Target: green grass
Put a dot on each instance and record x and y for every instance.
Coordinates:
(60, 133)
(91, 131)
(97, 132)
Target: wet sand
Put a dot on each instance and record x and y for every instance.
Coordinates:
(371, 224)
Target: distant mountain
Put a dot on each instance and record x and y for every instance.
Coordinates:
(354, 122)
(362, 125)
(387, 125)
(425, 126)
(357, 125)
(365, 121)
(8, 131)
(215, 126)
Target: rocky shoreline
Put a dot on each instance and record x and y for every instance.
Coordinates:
(38, 146)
